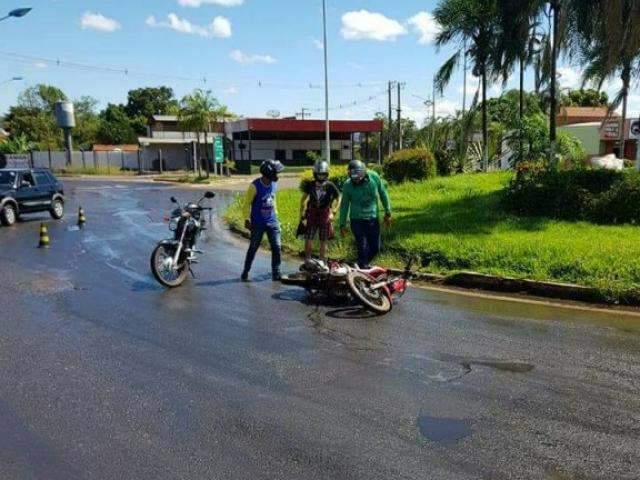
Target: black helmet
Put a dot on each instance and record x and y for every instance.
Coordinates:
(271, 169)
(357, 171)
(321, 170)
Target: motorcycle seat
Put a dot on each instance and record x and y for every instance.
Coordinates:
(373, 271)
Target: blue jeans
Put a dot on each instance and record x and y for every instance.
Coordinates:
(367, 234)
(274, 236)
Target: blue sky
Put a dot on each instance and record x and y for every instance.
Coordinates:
(256, 55)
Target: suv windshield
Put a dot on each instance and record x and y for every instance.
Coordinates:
(7, 178)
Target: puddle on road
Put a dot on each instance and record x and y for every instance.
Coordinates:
(513, 367)
(500, 365)
(443, 431)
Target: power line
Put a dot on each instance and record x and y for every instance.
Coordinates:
(120, 70)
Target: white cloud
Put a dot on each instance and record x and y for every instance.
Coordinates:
(318, 44)
(97, 21)
(246, 58)
(231, 90)
(219, 28)
(199, 3)
(40, 65)
(569, 77)
(473, 85)
(365, 25)
(424, 24)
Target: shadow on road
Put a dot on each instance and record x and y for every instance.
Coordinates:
(351, 313)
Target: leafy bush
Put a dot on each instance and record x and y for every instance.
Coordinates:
(16, 144)
(338, 175)
(536, 143)
(446, 161)
(571, 150)
(602, 196)
(619, 204)
(379, 169)
(410, 164)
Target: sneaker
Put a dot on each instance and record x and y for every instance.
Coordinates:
(276, 276)
(244, 277)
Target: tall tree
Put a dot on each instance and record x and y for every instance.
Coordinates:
(608, 33)
(473, 21)
(115, 126)
(87, 122)
(518, 43)
(149, 101)
(198, 113)
(33, 116)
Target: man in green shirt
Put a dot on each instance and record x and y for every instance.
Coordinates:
(360, 205)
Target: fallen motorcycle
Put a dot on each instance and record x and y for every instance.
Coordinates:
(172, 258)
(376, 288)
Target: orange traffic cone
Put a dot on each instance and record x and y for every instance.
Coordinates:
(81, 217)
(44, 237)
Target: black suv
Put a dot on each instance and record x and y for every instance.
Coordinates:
(28, 191)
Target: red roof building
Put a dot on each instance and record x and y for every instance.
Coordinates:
(289, 139)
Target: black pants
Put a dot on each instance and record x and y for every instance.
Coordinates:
(367, 235)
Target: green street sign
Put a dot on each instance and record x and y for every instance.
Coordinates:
(218, 150)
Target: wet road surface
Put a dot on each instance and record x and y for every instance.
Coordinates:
(106, 375)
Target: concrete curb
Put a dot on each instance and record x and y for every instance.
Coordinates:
(491, 283)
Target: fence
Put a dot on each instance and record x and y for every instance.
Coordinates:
(102, 161)
(149, 159)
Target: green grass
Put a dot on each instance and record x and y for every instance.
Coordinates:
(459, 224)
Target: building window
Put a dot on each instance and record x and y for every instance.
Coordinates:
(281, 155)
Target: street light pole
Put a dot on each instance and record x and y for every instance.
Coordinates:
(9, 80)
(326, 84)
(17, 13)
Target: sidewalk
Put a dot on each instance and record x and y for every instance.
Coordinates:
(234, 183)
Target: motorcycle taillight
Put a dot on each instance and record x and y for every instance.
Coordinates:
(399, 285)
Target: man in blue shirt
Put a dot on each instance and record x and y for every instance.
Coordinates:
(261, 216)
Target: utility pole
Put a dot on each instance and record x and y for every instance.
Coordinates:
(555, 5)
(303, 113)
(326, 82)
(433, 103)
(399, 116)
(390, 127)
(464, 87)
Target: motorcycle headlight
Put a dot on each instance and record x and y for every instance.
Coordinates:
(173, 224)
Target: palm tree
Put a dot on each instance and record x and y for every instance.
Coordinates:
(608, 36)
(221, 115)
(197, 111)
(518, 43)
(470, 23)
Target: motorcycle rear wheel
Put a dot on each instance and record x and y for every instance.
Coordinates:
(377, 301)
(163, 273)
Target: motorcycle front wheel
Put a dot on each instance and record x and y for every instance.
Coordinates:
(377, 301)
(162, 269)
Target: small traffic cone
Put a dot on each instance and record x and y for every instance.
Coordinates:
(81, 217)
(44, 237)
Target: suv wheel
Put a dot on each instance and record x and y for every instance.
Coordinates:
(8, 215)
(57, 209)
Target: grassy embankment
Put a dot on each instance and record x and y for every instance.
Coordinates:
(459, 223)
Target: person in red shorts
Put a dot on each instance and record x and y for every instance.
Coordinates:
(318, 206)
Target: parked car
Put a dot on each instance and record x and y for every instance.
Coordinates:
(29, 191)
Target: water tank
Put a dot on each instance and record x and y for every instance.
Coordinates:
(65, 115)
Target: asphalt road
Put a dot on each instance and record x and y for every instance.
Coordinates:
(107, 376)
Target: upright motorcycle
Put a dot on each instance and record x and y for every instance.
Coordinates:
(172, 258)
